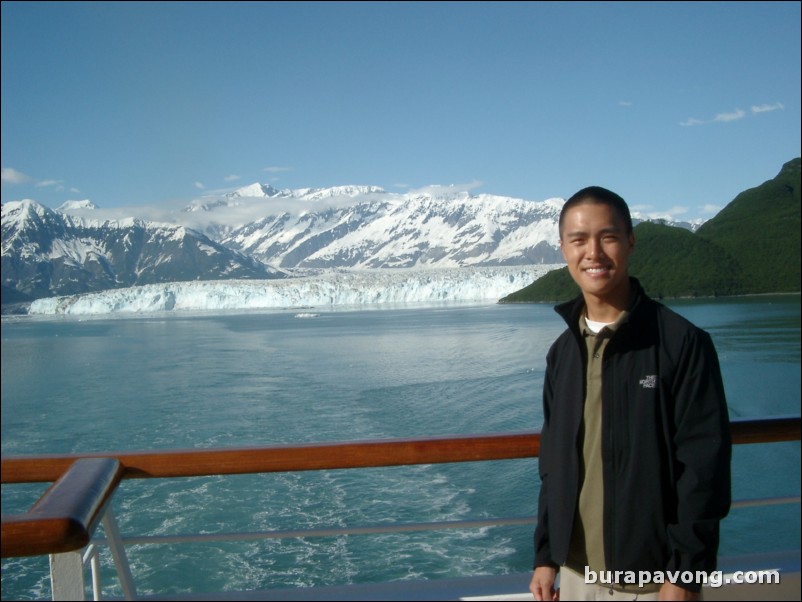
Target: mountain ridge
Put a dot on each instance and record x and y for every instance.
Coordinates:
(47, 253)
(258, 231)
(730, 254)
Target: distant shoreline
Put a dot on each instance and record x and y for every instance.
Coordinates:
(21, 309)
(688, 297)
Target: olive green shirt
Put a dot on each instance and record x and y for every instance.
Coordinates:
(587, 538)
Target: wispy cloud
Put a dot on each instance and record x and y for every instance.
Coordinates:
(57, 184)
(767, 108)
(276, 169)
(625, 103)
(647, 212)
(200, 186)
(442, 190)
(709, 209)
(734, 115)
(677, 210)
(231, 178)
(677, 213)
(731, 116)
(12, 176)
(728, 116)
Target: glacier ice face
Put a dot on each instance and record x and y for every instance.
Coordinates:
(328, 288)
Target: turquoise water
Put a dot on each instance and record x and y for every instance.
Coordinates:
(236, 379)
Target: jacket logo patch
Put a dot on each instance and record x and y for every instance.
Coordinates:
(649, 381)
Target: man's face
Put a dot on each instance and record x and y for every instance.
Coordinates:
(596, 246)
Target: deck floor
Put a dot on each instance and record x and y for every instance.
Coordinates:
(516, 586)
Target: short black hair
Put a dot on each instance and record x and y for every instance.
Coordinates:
(601, 196)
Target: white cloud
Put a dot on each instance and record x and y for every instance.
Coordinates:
(276, 169)
(12, 176)
(442, 190)
(625, 103)
(709, 208)
(231, 178)
(48, 183)
(677, 210)
(734, 115)
(199, 185)
(731, 116)
(643, 212)
(766, 108)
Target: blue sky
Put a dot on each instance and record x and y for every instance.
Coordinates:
(678, 107)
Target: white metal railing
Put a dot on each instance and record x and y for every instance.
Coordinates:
(71, 586)
(67, 569)
(87, 493)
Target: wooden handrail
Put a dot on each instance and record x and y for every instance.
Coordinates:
(64, 518)
(285, 458)
(766, 430)
(353, 454)
(66, 515)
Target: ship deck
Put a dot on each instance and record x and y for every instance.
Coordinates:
(516, 586)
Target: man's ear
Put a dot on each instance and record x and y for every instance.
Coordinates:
(631, 242)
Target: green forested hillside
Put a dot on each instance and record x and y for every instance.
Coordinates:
(674, 262)
(760, 228)
(751, 246)
(552, 287)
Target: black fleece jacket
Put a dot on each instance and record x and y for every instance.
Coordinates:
(666, 444)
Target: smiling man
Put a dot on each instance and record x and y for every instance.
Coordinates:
(635, 445)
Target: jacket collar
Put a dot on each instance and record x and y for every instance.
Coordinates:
(572, 310)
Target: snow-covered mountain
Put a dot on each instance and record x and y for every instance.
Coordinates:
(322, 290)
(692, 225)
(46, 253)
(367, 227)
(259, 232)
(240, 234)
(73, 205)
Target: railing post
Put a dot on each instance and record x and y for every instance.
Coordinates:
(67, 576)
(118, 554)
(95, 564)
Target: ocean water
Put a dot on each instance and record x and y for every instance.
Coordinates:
(243, 378)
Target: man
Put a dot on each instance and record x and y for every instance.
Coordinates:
(635, 445)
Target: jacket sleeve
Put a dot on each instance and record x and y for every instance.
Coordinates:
(702, 453)
(541, 537)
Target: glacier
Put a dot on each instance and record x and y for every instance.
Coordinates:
(320, 289)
